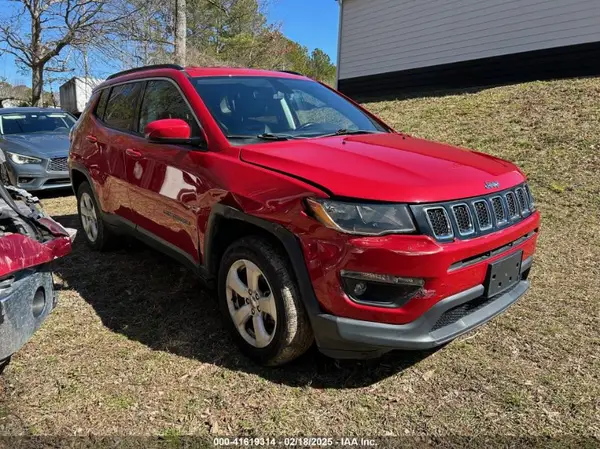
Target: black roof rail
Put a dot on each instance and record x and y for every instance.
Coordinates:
(291, 72)
(146, 67)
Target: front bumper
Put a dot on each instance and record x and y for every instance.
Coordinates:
(26, 300)
(445, 268)
(448, 319)
(34, 177)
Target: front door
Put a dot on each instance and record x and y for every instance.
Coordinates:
(164, 189)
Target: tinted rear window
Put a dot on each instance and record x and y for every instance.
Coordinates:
(121, 106)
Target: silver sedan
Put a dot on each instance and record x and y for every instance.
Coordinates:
(35, 143)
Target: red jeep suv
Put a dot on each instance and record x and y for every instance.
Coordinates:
(313, 219)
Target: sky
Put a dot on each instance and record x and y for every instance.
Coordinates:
(312, 23)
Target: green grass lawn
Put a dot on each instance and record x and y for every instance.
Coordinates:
(136, 347)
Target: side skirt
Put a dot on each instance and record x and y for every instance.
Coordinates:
(124, 226)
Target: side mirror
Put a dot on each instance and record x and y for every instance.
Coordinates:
(170, 130)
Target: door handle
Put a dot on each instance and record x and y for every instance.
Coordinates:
(133, 153)
(91, 139)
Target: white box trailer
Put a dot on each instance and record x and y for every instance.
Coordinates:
(76, 92)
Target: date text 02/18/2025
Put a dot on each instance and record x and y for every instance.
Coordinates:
(294, 441)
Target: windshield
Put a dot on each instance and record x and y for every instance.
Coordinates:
(251, 107)
(35, 122)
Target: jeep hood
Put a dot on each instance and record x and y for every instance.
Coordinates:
(385, 167)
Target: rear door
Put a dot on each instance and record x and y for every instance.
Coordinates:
(120, 117)
(165, 181)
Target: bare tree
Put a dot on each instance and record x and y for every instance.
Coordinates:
(180, 31)
(146, 37)
(41, 29)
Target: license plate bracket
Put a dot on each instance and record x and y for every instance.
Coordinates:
(503, 274)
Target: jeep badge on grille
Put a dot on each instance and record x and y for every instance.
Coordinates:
(492, 184)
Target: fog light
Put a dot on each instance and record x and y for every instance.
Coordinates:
(383, 278)
(360, 288)
(380, 290)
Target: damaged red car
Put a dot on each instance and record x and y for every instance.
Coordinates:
(29, 241)
(313, 219)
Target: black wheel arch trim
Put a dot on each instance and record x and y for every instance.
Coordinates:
(287, 239)
(80, 168)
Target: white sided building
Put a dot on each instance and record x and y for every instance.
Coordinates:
(395, 46)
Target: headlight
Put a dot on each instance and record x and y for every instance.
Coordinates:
(363, 219)
(20, 159)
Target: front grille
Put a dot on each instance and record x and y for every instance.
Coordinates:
(439, 221)
(464, 222)
(474, 216)
(457, 313)
(523, 202)
(482, 212)
(511, 205)
(530, 197)
(499, 213)
(58, 164)
(57, 181)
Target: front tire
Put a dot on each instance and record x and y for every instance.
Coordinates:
(260, 302)
(95, 231)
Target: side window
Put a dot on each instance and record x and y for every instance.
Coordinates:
(121, 106)
(163, 100)
(101, 106)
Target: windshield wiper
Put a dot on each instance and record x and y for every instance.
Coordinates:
(264, 136)
(282, 137)
(269, 136)
(348, 132)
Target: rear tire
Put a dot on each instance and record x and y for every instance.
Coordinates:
(95, 231)
(266, 318)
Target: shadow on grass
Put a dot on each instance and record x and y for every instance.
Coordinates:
(150, 298)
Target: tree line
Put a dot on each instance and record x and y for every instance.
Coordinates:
(52, 37)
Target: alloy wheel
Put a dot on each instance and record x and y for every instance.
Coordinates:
(89, 219)
(251, 303)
